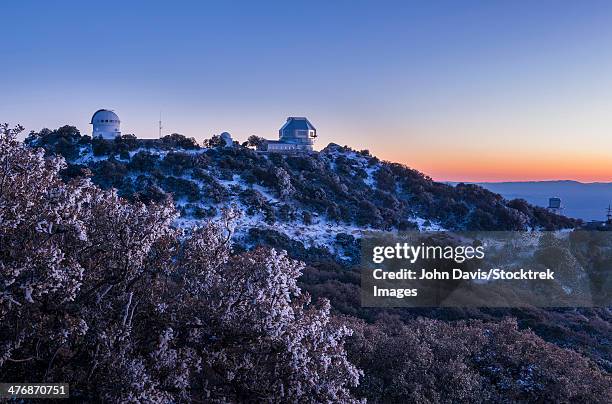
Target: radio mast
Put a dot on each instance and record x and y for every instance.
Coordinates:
(160, 125)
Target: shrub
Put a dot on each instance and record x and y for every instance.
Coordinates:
(432, 361)
(178, 141)
(181, 188)
(143, 161)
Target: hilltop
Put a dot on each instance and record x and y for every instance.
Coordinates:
(310, 197)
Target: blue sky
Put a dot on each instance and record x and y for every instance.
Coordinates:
(461, 90)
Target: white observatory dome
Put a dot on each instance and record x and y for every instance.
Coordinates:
(106, 124)
(227, 139)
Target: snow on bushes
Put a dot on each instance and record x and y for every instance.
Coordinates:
(106, 295)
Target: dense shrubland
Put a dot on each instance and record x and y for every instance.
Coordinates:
(339, 184)
(432, 361)
(102, 291)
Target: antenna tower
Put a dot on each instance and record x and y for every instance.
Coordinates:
(160, 125)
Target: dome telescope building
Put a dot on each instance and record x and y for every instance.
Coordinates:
(227, 139)
(106, 124)
(297, 134)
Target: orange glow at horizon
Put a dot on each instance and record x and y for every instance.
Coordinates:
(501, 167)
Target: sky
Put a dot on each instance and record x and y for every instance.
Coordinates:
(461, 90)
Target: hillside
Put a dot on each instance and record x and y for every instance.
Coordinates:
(310, 198)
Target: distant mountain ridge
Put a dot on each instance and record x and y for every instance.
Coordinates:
(587, 201)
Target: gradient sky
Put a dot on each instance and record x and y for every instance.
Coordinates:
(461, 90)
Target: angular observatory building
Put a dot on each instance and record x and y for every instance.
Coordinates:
(297, 134)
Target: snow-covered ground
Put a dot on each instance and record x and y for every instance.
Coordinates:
(320, 233)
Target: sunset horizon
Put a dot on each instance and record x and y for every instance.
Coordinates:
(446, 165)
(486, 92)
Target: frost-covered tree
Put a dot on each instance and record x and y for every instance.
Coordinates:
(108, 296)
(283, 180)
(254, 299)
(255, 141)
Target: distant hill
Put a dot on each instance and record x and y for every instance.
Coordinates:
(587, 201)
(319, 199)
